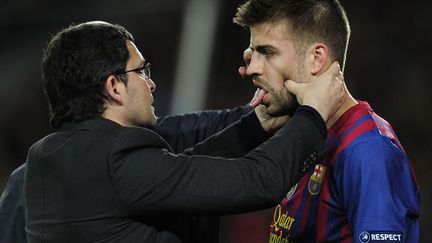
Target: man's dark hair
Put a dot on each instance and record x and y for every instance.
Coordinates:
(310, 21)
(75, 65)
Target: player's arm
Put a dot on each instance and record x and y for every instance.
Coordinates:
(380, 192)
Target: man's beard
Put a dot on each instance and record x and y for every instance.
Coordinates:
(284, 103)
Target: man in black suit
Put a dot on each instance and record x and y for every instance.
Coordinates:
(102, 177)
(180, 132)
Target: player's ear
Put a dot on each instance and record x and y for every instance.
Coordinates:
(319, 56)
(115, 89)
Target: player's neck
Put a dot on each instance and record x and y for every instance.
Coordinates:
(347, 104)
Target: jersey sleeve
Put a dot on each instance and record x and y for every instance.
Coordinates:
(380, 193)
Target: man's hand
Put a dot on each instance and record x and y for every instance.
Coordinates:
(270, 124)
(325, 93)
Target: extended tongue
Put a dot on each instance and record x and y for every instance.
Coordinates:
(258, 98)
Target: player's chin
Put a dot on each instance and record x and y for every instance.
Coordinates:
(271, 111)
(282, 110)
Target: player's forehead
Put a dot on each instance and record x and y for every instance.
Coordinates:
(270, 35)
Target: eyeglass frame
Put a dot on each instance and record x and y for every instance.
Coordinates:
(145, 68)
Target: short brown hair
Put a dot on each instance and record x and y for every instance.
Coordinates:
(310, 20)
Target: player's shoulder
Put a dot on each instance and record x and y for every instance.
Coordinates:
(375, 153)
(375, 136)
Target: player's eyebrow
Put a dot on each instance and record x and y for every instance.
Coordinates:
(265, 49)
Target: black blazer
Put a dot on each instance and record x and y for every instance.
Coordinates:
(180, 131)
(97, 181)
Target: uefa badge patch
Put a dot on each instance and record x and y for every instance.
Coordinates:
(380, 236)
(315, 181)
(364, 237)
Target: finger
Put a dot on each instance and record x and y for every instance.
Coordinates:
(252, 102)
(242, 71)
(256, 93)
(340, 77)
(292, 86)
(334, 68)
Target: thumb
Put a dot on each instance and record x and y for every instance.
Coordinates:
(242, 71)
(334, 68)
(293, 87)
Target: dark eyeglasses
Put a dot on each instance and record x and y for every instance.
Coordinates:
(144, 71)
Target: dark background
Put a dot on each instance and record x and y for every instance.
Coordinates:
(387, 65)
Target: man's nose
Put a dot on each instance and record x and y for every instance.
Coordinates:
(254, 66)
(151, 84)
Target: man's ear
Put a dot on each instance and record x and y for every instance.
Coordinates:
(115, 89)
(320, 54)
